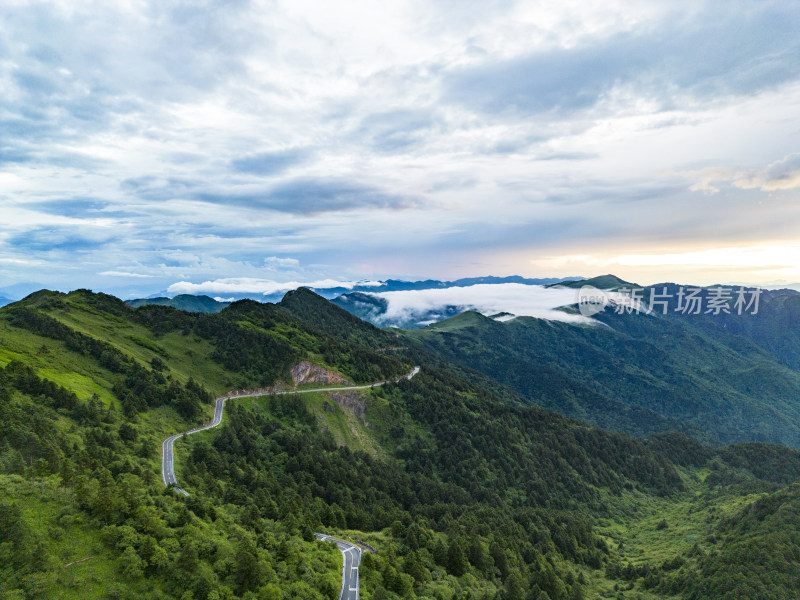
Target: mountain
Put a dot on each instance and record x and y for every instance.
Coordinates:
(357, 298)
(4, 301)
(601, 282)
(724, 379)
(335, 289)
(185, 302)
(372, 308)
(464, 490)
(315, 311)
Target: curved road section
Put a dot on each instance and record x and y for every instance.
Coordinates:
(167, 446)
(351, 559)
(168, 453)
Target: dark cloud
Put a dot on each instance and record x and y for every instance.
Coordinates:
(740, 51)
(35, 84)
(12, 155)
(71, 207)
(271, 163)
(25, 129)
(397, 130)
(309, 195)
(149, 187)
(48, 239)
(20, 154)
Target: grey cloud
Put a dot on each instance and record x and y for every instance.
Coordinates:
(741, 51)
(13, 155)
(552, 81)
(310, 195)
(154, 188)
(70, 207)
(396, 130)
(21, 154)
(780, 175)
(48, 239)
(453, 183)
(81, 68)
(271, 163)
(35, 83)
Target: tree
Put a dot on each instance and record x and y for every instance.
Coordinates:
(249, 572)
(514, 587)
(130, 563)
(159, 560)
(414, 567)
(479, 555)
(500, 559)
(456, 558)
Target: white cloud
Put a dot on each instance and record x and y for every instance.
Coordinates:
(251, 285)
(488, 299)
(275, 262)
(783, 174)
(125, 274)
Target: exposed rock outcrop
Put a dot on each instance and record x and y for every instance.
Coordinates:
(353, 400)
(302, 372)
(306, 372)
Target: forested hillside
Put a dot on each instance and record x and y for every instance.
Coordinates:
(464, 491)
(641, 373)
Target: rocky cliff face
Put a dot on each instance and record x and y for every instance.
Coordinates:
(306, 372)
(352, 400)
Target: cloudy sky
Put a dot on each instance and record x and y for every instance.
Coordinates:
(144, 144)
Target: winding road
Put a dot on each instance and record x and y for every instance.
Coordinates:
(351, 559)
(167, 449)
(351, 554)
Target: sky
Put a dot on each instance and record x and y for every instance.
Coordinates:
(147, 146)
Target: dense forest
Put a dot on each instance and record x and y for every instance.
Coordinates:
(640, 373)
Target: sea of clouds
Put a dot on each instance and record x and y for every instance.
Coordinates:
(488, 299)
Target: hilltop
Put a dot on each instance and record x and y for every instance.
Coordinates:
(601, 282)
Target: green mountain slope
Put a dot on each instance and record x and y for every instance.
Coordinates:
(185, 302)
(639, 374)
(601, 282)
(317, 312)
(463, 493)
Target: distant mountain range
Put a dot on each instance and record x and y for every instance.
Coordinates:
(374, 305)
(211, 305)
(187, 302)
